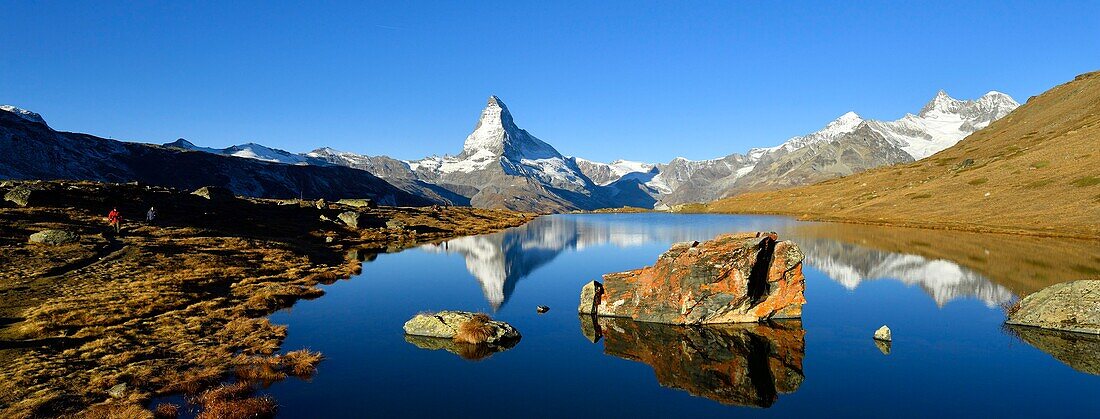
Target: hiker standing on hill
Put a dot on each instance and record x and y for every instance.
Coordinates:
(151, 215)
(114, 219)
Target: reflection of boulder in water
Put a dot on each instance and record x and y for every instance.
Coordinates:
(466, 351)
(883, 346)
(1081, 351)
(746, 364)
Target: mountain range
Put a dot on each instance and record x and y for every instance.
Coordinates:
(504, 166)
(33, 150)
(1036, 170)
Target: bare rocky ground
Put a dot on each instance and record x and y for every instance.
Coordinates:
(177, 306)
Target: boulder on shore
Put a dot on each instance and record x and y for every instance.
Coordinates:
(20, 195)
(359, 203)
(734, 278)
(350, 218)
(1070, 306)
(214, 193)
(54, 237)
(457, 325)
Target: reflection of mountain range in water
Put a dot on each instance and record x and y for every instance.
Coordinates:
(849, 265)
(500, 260)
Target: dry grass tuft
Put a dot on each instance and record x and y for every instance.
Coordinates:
(476, 330)
(117, 411)
(166, 411)
(302, 363)
(233, 401)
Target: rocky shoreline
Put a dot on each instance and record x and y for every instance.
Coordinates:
(178, 304)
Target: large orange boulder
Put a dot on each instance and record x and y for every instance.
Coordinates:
(735, 278)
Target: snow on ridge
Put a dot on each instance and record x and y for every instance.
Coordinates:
(23, 113)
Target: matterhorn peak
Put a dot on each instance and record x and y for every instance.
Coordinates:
(496, 134)
(23, 113)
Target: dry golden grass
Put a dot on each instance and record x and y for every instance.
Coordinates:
(302, 363)
(170, 308)
(474, 331)
(232, 401)
(117, 411)
(166, 411)
(1035, 171)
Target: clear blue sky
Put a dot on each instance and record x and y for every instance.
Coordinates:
(601, 80)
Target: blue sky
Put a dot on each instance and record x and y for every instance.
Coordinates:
(600, 80)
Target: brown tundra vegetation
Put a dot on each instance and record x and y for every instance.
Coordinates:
(100, 326)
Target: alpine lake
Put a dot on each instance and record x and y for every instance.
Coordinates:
(943, 294)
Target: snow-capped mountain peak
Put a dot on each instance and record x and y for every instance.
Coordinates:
(940, 104)
(843, 124)
(23, 113)
(496, 135)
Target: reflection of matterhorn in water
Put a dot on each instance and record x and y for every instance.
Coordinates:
(500, 260)
(943, 280)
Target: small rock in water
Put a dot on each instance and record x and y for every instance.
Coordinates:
(883, 334)
(461, 326)
(542, 309)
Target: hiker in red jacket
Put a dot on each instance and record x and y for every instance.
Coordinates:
(114, 219)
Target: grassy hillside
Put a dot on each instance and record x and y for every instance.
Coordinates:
(1035, 171)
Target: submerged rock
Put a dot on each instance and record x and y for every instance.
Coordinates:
(54, 237)
(1070, 306)
(450, 324)
(748, 364)
(735, 278)
(883, 334)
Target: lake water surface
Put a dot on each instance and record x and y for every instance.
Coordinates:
(941, 293)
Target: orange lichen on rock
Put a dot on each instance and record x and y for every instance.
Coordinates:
(734, 278)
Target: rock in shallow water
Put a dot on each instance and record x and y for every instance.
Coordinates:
(735, 278)
(883, 334)
(1070, 306)
(447, 324)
